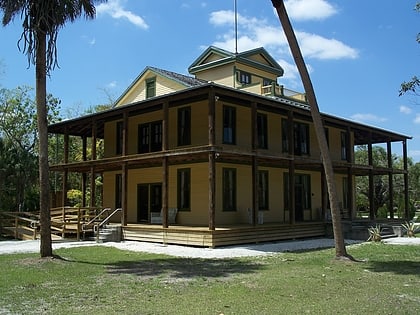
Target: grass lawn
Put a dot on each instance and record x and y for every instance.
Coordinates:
(104, 280)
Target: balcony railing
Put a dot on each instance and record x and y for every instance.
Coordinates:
(276, 90)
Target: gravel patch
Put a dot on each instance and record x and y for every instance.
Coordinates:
(8, 247)
(263, 249)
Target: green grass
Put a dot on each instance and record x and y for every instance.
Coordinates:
(103, 280)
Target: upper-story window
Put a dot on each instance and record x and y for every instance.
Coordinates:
(262, 131)
(184, 126)
(150, 87)
(244, 77)
(150, 137)
(267, 82)
(229, 125)
(300, 138)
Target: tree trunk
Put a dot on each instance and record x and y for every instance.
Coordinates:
(340, 248)
(41, 107)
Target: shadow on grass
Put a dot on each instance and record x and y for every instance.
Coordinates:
(397, 267)
(185, 268)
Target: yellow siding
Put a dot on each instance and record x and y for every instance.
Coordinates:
(138, 91)
(222, 75)
(110, 142)
(108, 193)
(274, 132)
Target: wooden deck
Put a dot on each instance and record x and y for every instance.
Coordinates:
(221, 236)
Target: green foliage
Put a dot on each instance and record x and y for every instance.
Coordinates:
(19, 189)
(375, 233)
(411, 228)
(74, 198)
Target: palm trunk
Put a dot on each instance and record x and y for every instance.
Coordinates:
(340, 248)
(41, 107)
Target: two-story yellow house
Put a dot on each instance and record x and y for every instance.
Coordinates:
(225, 156)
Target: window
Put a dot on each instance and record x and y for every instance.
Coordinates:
(300, 135)
(244, 77)
(150, 87)
(263, 190)
(229, 125)
(262, 131)
(229, 189)
(267, 82)
(184, 126)
(150, 137)
(118, 191)
(119, 137)
(302, 191)
(184, 189)
(344, 144)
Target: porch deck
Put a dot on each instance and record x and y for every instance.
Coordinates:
(222, 236)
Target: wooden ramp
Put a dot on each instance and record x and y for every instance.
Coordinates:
(221, 236)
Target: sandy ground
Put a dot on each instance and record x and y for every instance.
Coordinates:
(8, 247)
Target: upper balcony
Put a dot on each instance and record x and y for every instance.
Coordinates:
(277, 90)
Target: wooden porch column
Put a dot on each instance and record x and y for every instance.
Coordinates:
(165, 165)
(254, 141)
(124, 193)
(406, 195)
(212, 160)
(66, 172)
(84, 177)
(125, 134)
(390, 180)
(350, 193)
(324, 193)
(292, 202)
(291, 140)
(371, 182)
(92, 187)
(93, 144)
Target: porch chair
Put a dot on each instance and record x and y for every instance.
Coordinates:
(156, 217)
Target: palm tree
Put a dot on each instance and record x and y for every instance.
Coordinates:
(340, 248)
(42, 20)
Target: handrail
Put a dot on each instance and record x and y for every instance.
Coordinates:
(97, 216)
(105, 221)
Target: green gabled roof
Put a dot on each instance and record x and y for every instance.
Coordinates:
(227, 57)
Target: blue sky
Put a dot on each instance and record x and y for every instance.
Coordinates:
(358, 52)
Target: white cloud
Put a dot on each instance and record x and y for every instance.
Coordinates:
(255, 33)
(367, 118)
(304, 10)
(111, 85)
(417, 119)
(116, 10)
(405, 109)
(318, 47)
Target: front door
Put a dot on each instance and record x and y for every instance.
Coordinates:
(149, 199)
(298, 203)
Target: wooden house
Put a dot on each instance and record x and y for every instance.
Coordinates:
(228, 150)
